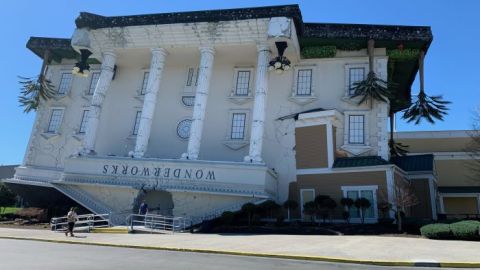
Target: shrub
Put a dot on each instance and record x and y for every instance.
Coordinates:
(467, 229)
(227, 217)
(436, 231)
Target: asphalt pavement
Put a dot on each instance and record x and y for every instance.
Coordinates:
(25, 254)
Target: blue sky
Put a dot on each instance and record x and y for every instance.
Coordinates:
(452, 64)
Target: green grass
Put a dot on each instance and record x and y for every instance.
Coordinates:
(9, 210)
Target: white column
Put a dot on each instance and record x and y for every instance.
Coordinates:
(201, 95)
(106, 74)
(150, 100)
(258, 117)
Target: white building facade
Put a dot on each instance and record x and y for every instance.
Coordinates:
(187, 115)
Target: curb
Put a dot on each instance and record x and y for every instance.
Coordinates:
(263, 255)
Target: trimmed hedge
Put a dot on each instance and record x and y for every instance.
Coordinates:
(464, 230)
(436, 231)
(467, 229)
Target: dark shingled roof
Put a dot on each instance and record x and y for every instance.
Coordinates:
(59, 47)
(359, 162)
(464, 189)
(367, 31)
(414, 162)
(94, 21)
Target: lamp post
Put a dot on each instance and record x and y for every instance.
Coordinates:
(82, 68)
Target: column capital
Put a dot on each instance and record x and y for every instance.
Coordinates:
(263, 47)
(109, 52)
(159, 50)
(207, 49)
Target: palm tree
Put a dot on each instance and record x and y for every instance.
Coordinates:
(290, 205)
(372, 88)
(426, 107)
(35, 89)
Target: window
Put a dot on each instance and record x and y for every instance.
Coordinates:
(143, 91)
(356, 129)
(93, 83)
(83, 123)
(188, 101)
(243, 83)
(355, 75)
(367, 192)
(55, 120)
(192, 76)
(238, 126)
(183, 129)
(304, 82)
(137, 122)
(65, 83)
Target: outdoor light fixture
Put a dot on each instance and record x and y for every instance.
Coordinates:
(82, 68)
(280, 63)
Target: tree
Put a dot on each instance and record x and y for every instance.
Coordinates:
(35, 89)
(362, 204)
(404, 197)
(473, 147)
(372, 88)
(249, 209)
(330, 204)
(346, 203)
(311, 209)
(426, 107)
(290, 205)
(7, 197)
(269, 207)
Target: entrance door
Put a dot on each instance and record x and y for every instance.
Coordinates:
(306, 195)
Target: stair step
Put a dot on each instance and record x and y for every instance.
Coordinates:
(119, 229)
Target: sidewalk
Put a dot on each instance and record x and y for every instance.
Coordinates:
(355, 249)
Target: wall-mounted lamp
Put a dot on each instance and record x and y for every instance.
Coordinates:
(280, 63)
(82, 68)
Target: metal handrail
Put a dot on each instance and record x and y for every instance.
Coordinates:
(153, 223)
(88, 221)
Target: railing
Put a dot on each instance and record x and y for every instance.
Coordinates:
(158, 223)
(84, 222)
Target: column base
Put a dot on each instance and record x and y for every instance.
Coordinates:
(87, 152)
(134, 154)
(188, 156)
(252, 159)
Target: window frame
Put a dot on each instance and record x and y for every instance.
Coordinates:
(243, 128)
(144, 83)
(69, 86)
(303, 99)
(84, 121)
(350, 84)
(347, 68)
(190, 84)
(236, 144)
(302, 202)
(298, 71)
(366, 128)
(88, 93)
(136, 123)
(60, 121)
(350, 129)
(374, 204)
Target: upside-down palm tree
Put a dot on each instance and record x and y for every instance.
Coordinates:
(426, 107)
(372, 88)
(35, 89)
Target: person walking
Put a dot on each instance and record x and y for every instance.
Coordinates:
(71, 219)
(143, 210)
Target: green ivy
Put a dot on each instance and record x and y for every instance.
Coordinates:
(404, 54)
(319, 52)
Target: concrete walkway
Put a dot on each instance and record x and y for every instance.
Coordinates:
(355, 249)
